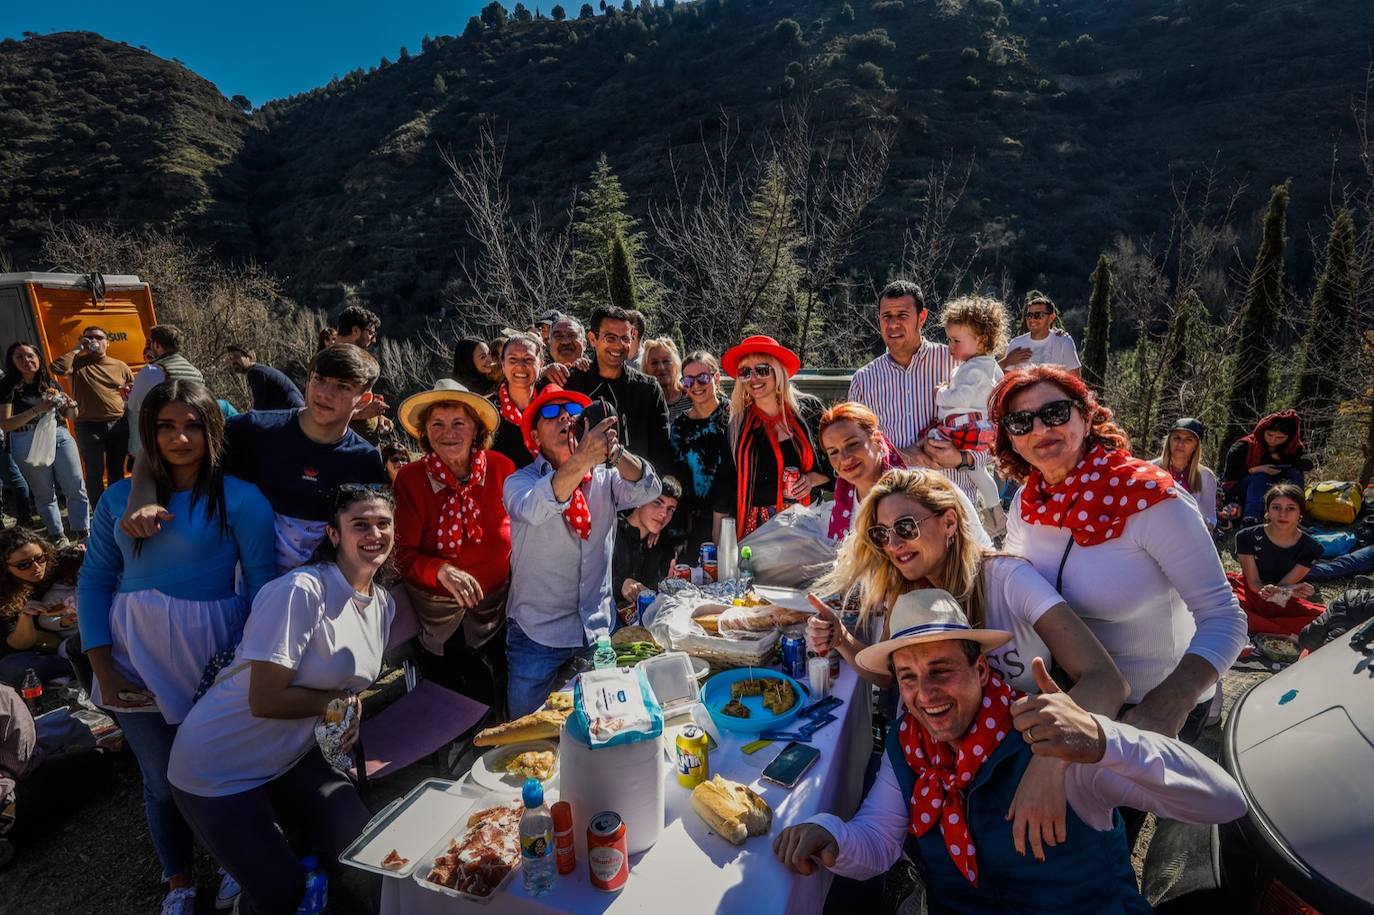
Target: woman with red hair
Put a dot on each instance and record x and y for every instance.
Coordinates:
(1123, 544)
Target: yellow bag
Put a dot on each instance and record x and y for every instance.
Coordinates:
(1333, 501)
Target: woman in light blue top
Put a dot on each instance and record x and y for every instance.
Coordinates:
(153, 613)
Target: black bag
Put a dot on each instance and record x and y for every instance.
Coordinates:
(1342, 615)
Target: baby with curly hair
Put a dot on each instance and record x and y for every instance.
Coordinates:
(976, 328)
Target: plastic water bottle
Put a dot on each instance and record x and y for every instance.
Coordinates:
(746, 569)
(536, 840)
(316, 887)
(605, 653)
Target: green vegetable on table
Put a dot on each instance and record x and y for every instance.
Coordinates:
(632, 653)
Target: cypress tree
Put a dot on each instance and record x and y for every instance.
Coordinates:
(622, 277)
(1186, 329)
(1259, 317)
(1325, 349)
(600, 219)
(1095, 338)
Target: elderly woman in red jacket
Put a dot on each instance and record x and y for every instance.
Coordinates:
(453, 538)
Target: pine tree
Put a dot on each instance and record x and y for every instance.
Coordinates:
(774, 241)
(558, 13)
(1259, 317)
(622, 278)
(474, 28)
(1325, 350)
(1098, 333)
(1187, 331)
(600, 219)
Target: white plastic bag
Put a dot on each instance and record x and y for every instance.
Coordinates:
(42, 442)
(792, 549)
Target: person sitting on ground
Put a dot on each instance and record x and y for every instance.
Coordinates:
(37, 607)
(27, 396)
(643, 552)
(246, 758)
(165, 360)
(958, 754)
(772, 428)
(156, 615)
(1272, 453)
(662, 363)
(1274, 561)
(1043, 343)
(473, 364)
(269, 388)
(99, 382)
(296, 457)
(860, 454)
(1182, 457)
(395, 456)
(44, 776)
(521, 364)
(453, 539)
(563, 513)
(976, 328)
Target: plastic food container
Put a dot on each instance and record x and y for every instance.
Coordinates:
(426, 863)
(408, 824)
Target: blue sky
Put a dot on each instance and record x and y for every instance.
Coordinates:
(263, 50)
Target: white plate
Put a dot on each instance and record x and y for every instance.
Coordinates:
(486, 774)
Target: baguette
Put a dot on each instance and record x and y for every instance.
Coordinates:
(784, 617)
(544, 724)
(710, 622)
(731, 810)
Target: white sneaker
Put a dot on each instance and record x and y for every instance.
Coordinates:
(180, 901)
(228, 893)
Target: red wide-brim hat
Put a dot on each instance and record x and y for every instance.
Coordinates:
(551, 394)
(760, 344)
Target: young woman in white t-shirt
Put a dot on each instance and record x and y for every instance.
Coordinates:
(245, 758)
(913, 531)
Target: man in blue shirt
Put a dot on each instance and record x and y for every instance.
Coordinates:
(271, 389)
(563, 517)
(297, 458)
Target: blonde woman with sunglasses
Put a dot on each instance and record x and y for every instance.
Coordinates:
(701, 448)
(913, 531)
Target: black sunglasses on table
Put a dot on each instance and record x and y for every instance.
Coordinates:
(1054, 413)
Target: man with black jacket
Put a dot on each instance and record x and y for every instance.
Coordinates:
(643, 552)
(637, 398)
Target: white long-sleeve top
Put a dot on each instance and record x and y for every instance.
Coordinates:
(1205, 497)
(968, 388)
(1139, 769)
(1150, 596)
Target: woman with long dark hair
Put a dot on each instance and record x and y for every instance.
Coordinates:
(27, 396)
(155, 613)
(246, 758)
(474, 366)
(31, 629)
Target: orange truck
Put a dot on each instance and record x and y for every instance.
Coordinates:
(52, 309)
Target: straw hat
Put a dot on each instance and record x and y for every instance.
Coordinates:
(446, 390)
(926, 615)
(760, 344)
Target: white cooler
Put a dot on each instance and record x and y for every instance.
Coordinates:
(627, 779)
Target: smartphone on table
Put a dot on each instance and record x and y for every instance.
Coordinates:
(791, 764)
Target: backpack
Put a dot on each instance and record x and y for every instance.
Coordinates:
(1333, 501)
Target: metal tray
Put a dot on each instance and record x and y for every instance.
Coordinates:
(409, 824)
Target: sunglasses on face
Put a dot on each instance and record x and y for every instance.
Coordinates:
(703, 379)
(749, 371)
(24, 565)
(905, 528)
(348, 492)
(551, 410)
(1054, 413)
(1038, 314)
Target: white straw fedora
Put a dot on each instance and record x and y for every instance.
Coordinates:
(446, 390)
(926, 615)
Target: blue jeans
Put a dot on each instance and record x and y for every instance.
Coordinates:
(17, 496)
(1252, 487)
(150, 738)
(64, 471)
(531, 670)
(1356, 562)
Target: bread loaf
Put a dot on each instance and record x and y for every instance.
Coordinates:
(731, 810)
(541, 725)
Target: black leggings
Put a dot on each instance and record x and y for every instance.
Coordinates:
(240, 830)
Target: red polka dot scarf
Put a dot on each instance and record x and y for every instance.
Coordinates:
(942, 776)
(460, 518)
(509, 411)
(1094, 501)
(578, 514)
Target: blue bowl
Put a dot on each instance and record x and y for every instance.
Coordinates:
(716, 694)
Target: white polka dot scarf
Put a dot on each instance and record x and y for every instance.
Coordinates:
(1094, 501)
(578, 514)
(941, 777)
(460, 518)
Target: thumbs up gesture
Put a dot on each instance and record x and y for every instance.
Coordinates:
(1054, 725)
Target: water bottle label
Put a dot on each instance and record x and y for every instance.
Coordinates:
(536, 846)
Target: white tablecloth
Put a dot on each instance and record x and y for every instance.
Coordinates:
(691, 869)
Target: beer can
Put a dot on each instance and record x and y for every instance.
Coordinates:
(682, 571)
(790, 476)
(794, 656)
(709, 566)
(608, 852)
(642, 603)
(563, 852)
(693, 757)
